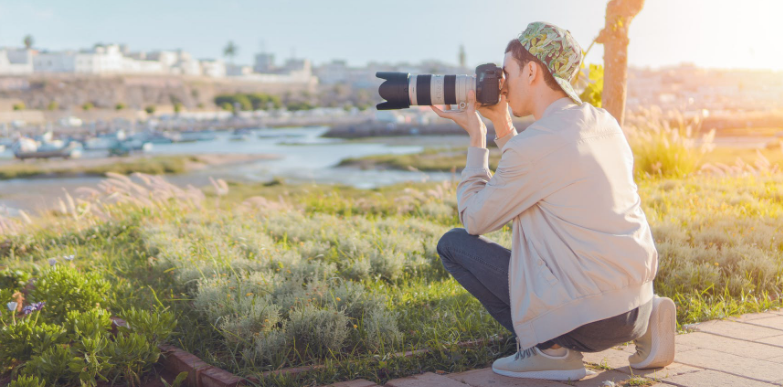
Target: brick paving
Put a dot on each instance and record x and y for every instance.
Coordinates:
(742, 351)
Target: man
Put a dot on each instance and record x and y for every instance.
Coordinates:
(578, 277)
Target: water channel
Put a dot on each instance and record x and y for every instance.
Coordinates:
(304, 157)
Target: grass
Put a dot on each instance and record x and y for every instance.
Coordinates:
(271, 275)
(719, 255)
(444, 160)
(148, 165)
(727, 155)
(430, 160)
(761, 132)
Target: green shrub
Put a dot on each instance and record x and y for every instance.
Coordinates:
(155, 327)
(252, 101)
(96, 362)
(90, 324)
(6, 316)
(317, 332)
(13, 279)
(132, 356)
(380, 329)
(595, 87)
(55, 365)
(66, 289)
(268, 346)
(28, 337)
(27, 381)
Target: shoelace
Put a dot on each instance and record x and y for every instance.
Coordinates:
(523, 354)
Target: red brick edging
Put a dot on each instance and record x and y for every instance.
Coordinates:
(201, 374)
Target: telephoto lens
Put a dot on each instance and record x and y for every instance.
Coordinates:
(403, 90)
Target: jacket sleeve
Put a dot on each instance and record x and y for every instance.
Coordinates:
(487, 202)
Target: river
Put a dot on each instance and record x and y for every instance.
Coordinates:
(305, 157)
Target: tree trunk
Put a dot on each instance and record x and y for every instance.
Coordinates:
(614, 36)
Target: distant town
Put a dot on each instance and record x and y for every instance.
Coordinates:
(167, 81)
(118, 59)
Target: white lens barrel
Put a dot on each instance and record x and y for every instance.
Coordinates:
(436, 90)
(427, 89)
(412, 89)
(464, 84)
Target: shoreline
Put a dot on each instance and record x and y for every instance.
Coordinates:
(145, 163)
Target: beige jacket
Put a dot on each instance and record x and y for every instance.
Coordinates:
(582, 249)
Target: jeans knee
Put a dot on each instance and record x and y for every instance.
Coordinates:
(449, 239)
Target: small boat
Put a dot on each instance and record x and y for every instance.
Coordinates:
(105, 141)
(72, 150)
(193, 136)
(125, 148)
(150, 137)
(241, 135)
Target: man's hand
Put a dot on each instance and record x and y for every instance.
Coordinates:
(498, 114)
(468, 120)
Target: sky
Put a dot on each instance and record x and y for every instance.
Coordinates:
(707, 33)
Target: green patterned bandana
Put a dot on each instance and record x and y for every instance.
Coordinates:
(557, 49)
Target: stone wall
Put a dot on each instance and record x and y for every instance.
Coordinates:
(71, 91)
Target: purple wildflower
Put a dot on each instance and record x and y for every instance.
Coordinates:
(34, 307)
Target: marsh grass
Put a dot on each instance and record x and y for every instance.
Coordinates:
(149, 165)
(430, 160)
(665, 144)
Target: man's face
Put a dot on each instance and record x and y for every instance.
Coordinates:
(514, 88)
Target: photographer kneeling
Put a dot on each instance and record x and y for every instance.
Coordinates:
(579, 275)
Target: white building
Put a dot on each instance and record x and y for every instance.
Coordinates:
(300, 69)
(233, 70)
(213, 68)
(265, 63)
(16, 61)
(55, 62)
(185, 64)
(101, 59)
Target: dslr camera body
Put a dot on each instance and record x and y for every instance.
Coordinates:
(403, 90)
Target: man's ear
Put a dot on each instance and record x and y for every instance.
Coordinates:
(532, 72)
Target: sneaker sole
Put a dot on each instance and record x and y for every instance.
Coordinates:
(665, 326)
(548, 375)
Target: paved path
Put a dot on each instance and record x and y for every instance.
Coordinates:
(745, 351)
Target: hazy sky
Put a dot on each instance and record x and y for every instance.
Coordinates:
(709, 33)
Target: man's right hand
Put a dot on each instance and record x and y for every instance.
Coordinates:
(498, 114)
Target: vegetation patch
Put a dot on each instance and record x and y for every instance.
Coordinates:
(150, 165)
(263, 277)
(430, 160)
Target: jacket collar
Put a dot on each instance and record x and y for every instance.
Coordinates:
(558, 105)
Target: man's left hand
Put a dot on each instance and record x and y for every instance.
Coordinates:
(468, 119)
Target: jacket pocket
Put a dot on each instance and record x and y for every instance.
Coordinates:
(545, 273)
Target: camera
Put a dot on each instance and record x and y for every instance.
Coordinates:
(402, 90)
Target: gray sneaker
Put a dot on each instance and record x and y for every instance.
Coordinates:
(534, 364)
(655, 349)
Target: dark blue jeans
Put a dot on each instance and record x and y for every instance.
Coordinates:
(481, 267)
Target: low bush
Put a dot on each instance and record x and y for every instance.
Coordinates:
(66, 289)
(317, 332)
(63, 335)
